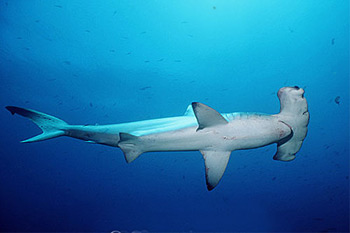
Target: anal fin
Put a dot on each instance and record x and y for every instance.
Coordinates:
(130, 145)
(215, 166)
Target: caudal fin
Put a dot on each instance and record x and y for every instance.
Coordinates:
(51, 126)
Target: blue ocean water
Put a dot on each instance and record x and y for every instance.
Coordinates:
(106, 62)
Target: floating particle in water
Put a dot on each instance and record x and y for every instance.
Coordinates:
(58, 6)
(333, 40)
(337, 100)
(88, 31)
(177, 60)
(114, 13)
(67, 62)
(19, 38)
(147, 61)
(274, 178)
(214, 7)
(112, 50)
(91, 104)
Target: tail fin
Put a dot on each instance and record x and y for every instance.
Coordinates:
(129, 145)
(51, 126)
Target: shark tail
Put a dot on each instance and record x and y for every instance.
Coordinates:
(51, 126)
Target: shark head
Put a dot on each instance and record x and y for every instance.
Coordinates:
(294, 113)
(292, 100)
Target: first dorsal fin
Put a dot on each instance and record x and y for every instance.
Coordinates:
(215, 166)
(206, 116)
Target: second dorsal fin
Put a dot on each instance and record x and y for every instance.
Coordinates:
(206, 116)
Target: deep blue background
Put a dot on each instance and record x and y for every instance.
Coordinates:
(119, 61)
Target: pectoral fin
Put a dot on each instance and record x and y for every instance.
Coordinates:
(215, 165)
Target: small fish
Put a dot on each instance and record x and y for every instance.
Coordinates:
(91, 104)
(147, 61)
(112, 50)
(145, 88)
(333, 40)
(19, 38)
(214, 7)
(67, 62)
(37, 21)
(177, 60)
(337, 100)
(114, 13)
(162, 59)
(274, 178)
(88, 31)
(58, 6)
(128, 53)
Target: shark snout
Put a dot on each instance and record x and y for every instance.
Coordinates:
(290, 91)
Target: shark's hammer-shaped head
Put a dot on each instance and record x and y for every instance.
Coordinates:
(294, 113)
(292, 100)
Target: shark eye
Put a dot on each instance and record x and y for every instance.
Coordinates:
(296, 87)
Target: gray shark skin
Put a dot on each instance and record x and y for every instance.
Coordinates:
(201, 128)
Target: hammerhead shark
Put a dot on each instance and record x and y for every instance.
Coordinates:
(201, 128)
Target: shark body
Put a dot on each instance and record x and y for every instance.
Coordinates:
(201, 128)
